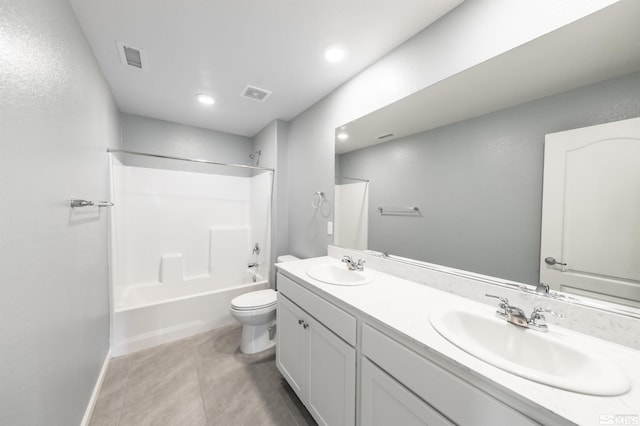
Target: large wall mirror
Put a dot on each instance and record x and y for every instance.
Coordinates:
(453, 175)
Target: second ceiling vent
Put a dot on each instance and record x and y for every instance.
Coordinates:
(132, 56)
(255, 93)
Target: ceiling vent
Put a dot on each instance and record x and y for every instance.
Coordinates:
(255, 93)
(132, 56)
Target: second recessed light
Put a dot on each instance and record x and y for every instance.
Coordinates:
(335, 53)
(205, 99)
(342, 136)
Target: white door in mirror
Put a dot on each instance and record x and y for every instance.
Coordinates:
(590, 210)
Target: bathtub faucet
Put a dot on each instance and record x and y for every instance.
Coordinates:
(253, 265)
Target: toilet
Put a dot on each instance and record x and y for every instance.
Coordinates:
(256, 311)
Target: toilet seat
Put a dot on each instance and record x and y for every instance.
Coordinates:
(255, 300)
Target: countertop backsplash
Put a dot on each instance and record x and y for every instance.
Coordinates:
(595, 322)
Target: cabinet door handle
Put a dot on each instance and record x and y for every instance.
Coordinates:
(306, 326)
(300, 321)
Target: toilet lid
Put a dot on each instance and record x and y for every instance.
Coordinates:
(255, 299)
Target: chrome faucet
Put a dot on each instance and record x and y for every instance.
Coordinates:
(510, 313)
(353, 266)
(516, 316)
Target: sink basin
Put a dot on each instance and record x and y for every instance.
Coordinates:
(339, 275)
(552, 358)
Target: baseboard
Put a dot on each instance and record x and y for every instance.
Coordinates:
(96, 390)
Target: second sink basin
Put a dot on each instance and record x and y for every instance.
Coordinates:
(553, 359)
(339, 275)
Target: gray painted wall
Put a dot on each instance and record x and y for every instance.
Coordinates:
(266, 141)
(57, 118)
(272, 141)
(471, 34)
(479, 182)
(282, 185)
(149, 135)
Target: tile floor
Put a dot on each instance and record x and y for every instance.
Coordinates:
(201, 380)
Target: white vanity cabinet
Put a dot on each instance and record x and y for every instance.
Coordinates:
(386, 402)
(318, 362)
(451, 396)
(368, 356)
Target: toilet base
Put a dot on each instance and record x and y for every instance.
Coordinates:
(255, 338)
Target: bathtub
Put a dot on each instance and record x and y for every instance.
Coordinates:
(149, 315)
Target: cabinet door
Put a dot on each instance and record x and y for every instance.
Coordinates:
(291, 345)
(331, 377)
(387, 402)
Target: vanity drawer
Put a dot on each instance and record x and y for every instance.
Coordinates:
(334, 318)
(456, 399)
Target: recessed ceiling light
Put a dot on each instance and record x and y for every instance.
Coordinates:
(205, 99)
(335, 53)
(342, 136)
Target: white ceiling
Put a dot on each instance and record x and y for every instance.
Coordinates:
(220, 46)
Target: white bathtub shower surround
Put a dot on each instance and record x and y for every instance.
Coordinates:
(167, 212)
(182, 243)
(156, 314)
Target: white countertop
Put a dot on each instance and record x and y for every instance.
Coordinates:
(405, 306)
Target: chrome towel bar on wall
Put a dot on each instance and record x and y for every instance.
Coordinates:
(86, 203)
(399, 210)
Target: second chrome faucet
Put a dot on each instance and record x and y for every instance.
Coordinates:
(353, 266)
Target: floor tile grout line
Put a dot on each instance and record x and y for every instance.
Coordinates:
(286, 406)
(274, 386)
(195, 364)
(124, 390)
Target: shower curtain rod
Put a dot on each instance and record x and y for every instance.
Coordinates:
(193, 160)
(350, 178)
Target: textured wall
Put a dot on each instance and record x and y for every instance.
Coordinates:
(472, 33)
(153, 136)
(272, 141)
(479, 182)
(57, 118)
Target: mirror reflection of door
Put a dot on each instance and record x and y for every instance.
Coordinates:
(591, 212)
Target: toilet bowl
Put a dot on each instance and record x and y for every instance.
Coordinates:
(256, 311)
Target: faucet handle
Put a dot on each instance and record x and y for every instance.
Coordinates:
(503, 307)
(346, 258)
(504, 302)
(540, 309)
(537, 321)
